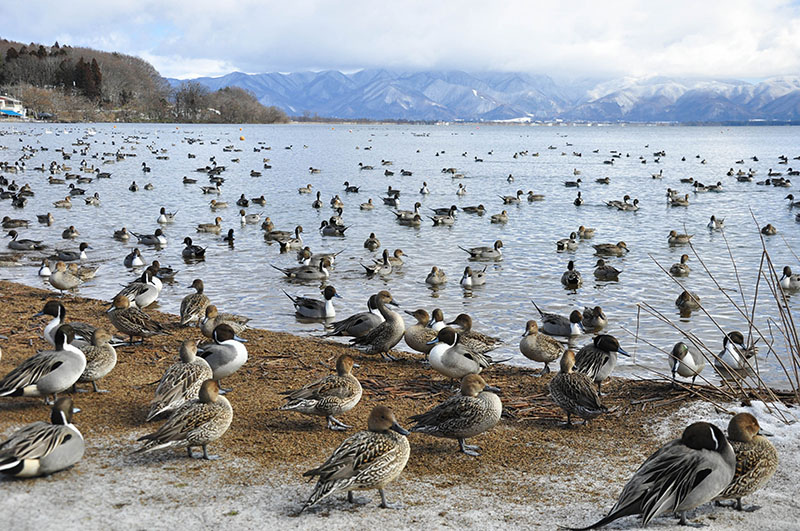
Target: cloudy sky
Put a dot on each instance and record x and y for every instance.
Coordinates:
(189, 38)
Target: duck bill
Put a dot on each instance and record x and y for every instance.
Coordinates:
(491, 389)
(399, 429)
(240, 339)
(623, 352)
(393, 303)
(433, 341)
(38, 314)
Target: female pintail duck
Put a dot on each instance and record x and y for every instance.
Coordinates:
(372, 243)
(368, 205)
(678, 239)
(571, 278)
(70, 233)
(336, 220)
(350, 189)
(604, 271)
(63, 203)
(594, 319)
(47, 372)
(61, 279)
(485, 253)
(685, 361)
(44, 269)
(211, 227)
(681, 475)
(419, 336)
(249, 219)
(568, 244)
(215, 205)
(193, 307)
(437, 320)
(444, 219)
(132, 321)
(611, 249)
(512, 199)
(769, 230)
(382, 338)
(436, 277)
(283, 235)
(101, 358)
(93, 200)
(586, 233)
(315, 308)
(534, 197)
(157, 238)
(305, 189)
(143, 292)
(191, 251)
(382, 267)
(41, 448)
(329, 396)
(329, 229)
(122, 235)
(475, 341)
(83, 272)
(396, 258)
(502, 217)
(574, 392)
(756, 460)
(735, 355)
(198, 422)
(213, 318)
(479, 210)
(599, 358)
(788, 280)
(82, 332)
(407, 215)
(558, 325)
(629, 207)
(687, 302)
(46, 219)
(165, 217)
(72, 256)
(226, 354)
(476, 410)
(23, 244)
(358, 324)
(9, 223)
(181, 382)
(336, 202)
(366, 460)
(539, 347)
(716, 223)
(681, 269)
(472, 278)
(452, 359)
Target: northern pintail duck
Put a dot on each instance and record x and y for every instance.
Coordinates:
(71, 256)
(46, 219)
(366, 460)
(315, 308)
(687, 302)
(475, 341)
(603, 271)
(436, 277)
(578, 200)
(407, 215)
(716, 223)
(156, 239)
(9, 223)
(558, 325)
(382, 267)
(485, 253)
(249, 219)
(198, 422)
(191, 251)
(615, 203)
(283, 235)
(358, 324)
(143, 292)
(101, 358)
(44, 269)
(472, 278)
(211, 227)
(437, 320)
(181, 381)
(133, 259)
(424, 190)
(539, 347)
(368, 205)
(534, 197)
(512, 199)
(18, 244)
(132, 321)
(350, 189)
(419, 336)
(568, 244)
(571, 278)
(598, 359)
(47, 372)
(70, 233)
(165, 217)
(213, 318)
(122, 235)
(305, 189)
(735, 355)
(462, 190)
(476, 410)
(594, 319)
(372, 243)
(681, 475)
(328, 396)
(611, 249)
(382, 338)
(41, 448)
(686, 361)
(307, 272)
(479, 210)
(445, 219)
(681, 269)
(226, 354)
(61, 279)
(193, 307)
(574, 392)
(756, 460)
(678, 239)
(792, 202)
(396, 258)
(788, 280)
(215, 205)
(243, 201)
(82, 332)
(63, 203)
(317, 203)
(769, 230)
(586, 233)
(329, 229)
(452, 359)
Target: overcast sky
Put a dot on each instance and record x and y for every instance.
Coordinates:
(190, 38)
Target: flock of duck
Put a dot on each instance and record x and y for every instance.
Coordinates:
(702, 465)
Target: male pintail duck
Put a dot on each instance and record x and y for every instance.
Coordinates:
(366, 460)
(452, 359)
(687, 302)
(329, 229)
(436, 277)
(249, 219)
(611, 249)
(792, 202)
(41, 448)
(181, 382)
(444, 219)
(574, 392)
(198, 422)
(382, 338)
(594, 319)
(143, 292)
(419, 336)
(599, 358)
(372, 243)
(603, 271)
(472, 278)
(558, 325)
(191, 251)
(681, 475)
(82, 332)
(193, 307)
(101, 358)
(226, 354)
(424, 190)
(685, 361)
(72, 256)
(23, 244)
(165, 217)
(315, 308)
(735, 355)
(61, 279)
(283, 235)
(157, 238)
(407, 215)
(539, 347)
(475, 341)
(317, 203)
(47, 372)
(756, 460)
(132, 321)
(769, 230)
(789, 281)
(512, 199)
(214, 318)
(568, 244)
(678, 239)
(44, 269)
(571, 278)
(309, 272)
(578, 200)
(382, 268)
(211, 227)
(358, 324)
(328, 396)
(122, 235)
(350, 189)
(133, 259)
(476, 410)
(716, 223)
(396, 258)
(485, 253)
(681, 269)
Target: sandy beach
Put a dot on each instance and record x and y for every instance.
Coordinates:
(533, 471)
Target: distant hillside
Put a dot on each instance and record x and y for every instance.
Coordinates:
(455, 95)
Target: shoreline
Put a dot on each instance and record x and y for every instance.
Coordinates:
(525, 459)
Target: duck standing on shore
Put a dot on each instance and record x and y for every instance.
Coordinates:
(181, 381)
(382, 338)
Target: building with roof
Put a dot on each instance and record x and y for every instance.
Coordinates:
(11, 107)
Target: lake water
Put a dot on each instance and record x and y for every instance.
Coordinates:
(240, 280)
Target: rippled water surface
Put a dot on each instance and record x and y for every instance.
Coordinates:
(241, 280)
